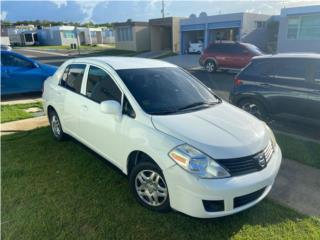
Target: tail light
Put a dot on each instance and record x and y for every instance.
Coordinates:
(237, 81)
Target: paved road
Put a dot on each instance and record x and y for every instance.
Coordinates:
(220, 82)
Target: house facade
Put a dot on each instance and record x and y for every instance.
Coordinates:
(243, 27)
(57, 35)
(90, 36)
(299, 29)
(132, 36)
(165, 34)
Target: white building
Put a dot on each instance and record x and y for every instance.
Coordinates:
(299, 29)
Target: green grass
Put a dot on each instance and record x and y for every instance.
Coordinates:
(61, 190)
(16, 112)
(303, 151)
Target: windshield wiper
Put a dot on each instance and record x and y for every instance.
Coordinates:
(197, 105)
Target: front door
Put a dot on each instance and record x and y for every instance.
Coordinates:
(98, 130)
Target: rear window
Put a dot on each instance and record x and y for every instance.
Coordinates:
(257, 69)
(72, 77)
(293, 69)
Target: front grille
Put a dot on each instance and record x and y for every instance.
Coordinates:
(245, 199)
(249, 164)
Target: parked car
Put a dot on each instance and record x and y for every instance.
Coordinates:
(5, 47)
(20, 74)
(195, 47)
(228, 55)
(282, 85)
(181, 145)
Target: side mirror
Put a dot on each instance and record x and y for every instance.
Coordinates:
(110, 107)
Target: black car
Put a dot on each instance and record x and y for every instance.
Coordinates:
(282, 85)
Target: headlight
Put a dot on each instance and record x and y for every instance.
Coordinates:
(197, 163)
(272, 137)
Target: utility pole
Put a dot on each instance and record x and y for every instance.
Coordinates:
(162, 10)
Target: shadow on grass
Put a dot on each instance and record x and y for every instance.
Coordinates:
(58, 190)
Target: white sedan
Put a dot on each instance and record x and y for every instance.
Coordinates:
(182, 146)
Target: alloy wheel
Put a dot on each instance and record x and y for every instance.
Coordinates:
(151, 188)
(55, 125)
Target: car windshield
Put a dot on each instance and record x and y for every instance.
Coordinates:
(168, 90)
(254, 49)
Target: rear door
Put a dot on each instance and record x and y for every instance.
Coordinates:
(290, 79)
(71, 83)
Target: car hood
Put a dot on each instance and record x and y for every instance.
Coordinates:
(49, 69)
(222, 131)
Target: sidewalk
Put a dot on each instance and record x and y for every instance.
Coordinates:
(297, 185)
(23, 125)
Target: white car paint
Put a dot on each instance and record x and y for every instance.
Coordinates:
(221, 132)
(195, 47)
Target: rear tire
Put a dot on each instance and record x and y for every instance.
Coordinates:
(210, 66)
(56, 127)
(254, 107)
(149, 188)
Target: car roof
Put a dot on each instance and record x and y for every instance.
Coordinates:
(288, 55)
(118, 63)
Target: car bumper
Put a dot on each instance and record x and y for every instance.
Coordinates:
(188, 192)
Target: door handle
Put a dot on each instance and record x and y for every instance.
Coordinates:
(84, 108)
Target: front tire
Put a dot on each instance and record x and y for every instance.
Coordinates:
(210, 66)
(56, 127)
(254, 107)
(149, 187)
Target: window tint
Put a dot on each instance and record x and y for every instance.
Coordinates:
(72, 77)
(293, 69)
(15, 61)
(163, 90)
(257, 69)
(101, 87)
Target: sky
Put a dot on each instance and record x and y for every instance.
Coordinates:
(116, 11)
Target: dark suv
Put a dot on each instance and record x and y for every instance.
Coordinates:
(228, 55)
(282, 85)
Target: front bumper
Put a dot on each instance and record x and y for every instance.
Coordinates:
(187, 192)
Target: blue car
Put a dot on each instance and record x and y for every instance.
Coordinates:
(20, 74)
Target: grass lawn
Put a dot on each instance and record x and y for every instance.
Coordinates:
(17, 112)
(302, 151)
(53, 190)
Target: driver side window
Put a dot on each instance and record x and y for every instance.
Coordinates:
(101, 87)
(15, 61)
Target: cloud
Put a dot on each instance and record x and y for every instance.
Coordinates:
(87, 8)
(3, 15)
(59, 3)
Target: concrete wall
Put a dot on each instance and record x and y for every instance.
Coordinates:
(250, 34)
(49, 37)
(142, 38)
(176, 35)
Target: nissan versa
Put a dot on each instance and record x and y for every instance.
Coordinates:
(181, 146)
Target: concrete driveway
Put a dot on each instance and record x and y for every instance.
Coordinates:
(187, 61)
